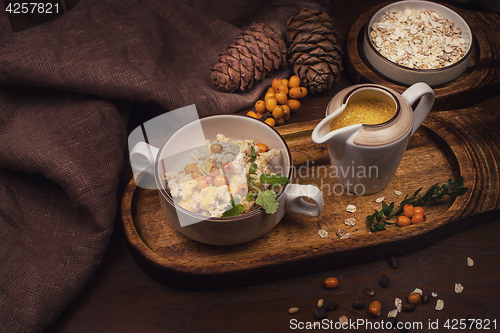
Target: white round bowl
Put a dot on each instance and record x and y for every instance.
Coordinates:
(173, 155)
(409, 76)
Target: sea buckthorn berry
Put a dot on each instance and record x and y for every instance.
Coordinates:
(214, 171)
(278, 112)
(293, 104)
(270, 122)
(284, 82)
(262, 147)
(414, 298)
(268, 95)
(295, 92)
(403, 221)
(209, 179)
(331, 283)
(418, 210)
(228, 168)
(275, 83)
(270, 89)
(242, 189)
(304, 92)
(216, 148)
(375, 308)
(281, 97)
(280, 121)
(408, 210)
(294, 81)
(282, 88)
(271, 102)
(286, 116)
(197, 174)
(220, 180)
(202, 183)
(252, 114)
(260, 106)
(286, 109)
(190, 168)
(417, 218)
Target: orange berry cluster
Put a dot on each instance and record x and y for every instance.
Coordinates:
(411, 215)
(280, 100)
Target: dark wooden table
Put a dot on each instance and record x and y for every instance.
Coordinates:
(123, 297)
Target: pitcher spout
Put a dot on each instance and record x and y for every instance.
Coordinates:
(337, 139)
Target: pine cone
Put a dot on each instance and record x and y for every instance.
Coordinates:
(314, 47)
(256, 53)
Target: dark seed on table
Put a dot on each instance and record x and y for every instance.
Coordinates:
(358, 304)
(394, 321)
(369, 292)
(426, 297)
(383, 281)
(320, 314)
(408, 307)
(330, 306)
(393, 262)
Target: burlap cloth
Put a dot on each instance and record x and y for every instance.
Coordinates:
(66, 88)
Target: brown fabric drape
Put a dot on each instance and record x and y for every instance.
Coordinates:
(63, 87)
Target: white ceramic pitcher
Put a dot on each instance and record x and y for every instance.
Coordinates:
(364, 158)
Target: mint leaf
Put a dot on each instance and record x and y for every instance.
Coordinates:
(235, 211)
(253, 165)
(274, 179)
(267, 200)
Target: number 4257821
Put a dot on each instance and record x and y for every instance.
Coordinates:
(32, 8)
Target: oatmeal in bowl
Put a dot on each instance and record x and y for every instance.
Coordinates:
(418, 41)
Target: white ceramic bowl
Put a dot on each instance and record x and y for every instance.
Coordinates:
(173, 155)
(409, 76)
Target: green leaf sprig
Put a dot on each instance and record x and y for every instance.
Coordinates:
(266, 199)
(380, 219)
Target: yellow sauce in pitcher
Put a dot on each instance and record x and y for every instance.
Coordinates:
(364, 111)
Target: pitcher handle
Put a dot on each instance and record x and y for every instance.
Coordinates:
(412, 94)
(296, 204)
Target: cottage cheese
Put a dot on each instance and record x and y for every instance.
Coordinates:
(212, 201)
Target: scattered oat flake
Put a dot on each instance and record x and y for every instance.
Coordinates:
(396, 192)
(379, 200)
(340, 232)
(399, 304)
(459, 288)
(347, 235)
(434, 294)
(392, 313)
(439, 305)
(350, 221)
(470, 262)
(417, 290)
(323, 233)
(351, 208)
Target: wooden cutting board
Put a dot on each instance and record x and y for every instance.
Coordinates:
(481, 78)
(450, 143)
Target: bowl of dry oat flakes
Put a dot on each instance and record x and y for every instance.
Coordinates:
(418, 41)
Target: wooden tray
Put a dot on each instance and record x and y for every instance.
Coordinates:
(451, 143)
(478, 82)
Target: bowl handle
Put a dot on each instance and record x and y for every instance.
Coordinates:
(295, 202)
(143, 157)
